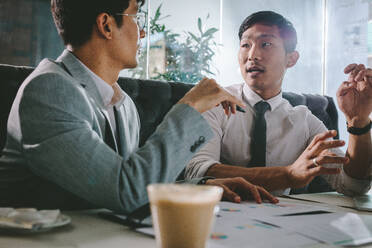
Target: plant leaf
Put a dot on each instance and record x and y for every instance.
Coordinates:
(210, 32)
(158, 13)
(194, 37)
(200, 25)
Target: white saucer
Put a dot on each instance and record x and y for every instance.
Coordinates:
(60, 221)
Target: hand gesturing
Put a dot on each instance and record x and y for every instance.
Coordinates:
(354, 96)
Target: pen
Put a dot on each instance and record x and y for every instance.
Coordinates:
(266, 223)
(240, 109)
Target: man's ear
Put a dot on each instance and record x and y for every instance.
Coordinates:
(104, 25)
(292, 58)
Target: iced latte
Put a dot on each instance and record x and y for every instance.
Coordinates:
(183, 214)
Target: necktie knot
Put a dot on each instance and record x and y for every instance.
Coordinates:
(261, 107)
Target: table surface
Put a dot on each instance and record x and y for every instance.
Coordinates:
(88, 230)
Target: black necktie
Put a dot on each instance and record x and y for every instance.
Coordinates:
(109, 138)
(118, 127)
(258, 143)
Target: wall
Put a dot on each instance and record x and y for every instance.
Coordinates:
(27, 32)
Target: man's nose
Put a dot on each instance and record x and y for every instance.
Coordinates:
(254, 53)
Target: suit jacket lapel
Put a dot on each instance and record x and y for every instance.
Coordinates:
(77, 71)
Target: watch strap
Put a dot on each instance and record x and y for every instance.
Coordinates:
(359, 131)
(203, 180)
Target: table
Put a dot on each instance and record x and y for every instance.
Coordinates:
(86, 230)
(89, 230)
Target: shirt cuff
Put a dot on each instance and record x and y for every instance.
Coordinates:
(351, 186)
(200, 170)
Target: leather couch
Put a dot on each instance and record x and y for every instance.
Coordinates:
(152, 98)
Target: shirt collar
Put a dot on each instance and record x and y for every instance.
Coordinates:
(111, 95)
(252, 98)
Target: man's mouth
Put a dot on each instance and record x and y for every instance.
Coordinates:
(254, 71)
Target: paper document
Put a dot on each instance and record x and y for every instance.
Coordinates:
(254, 210)
(332, 228)
(286, 224)
(240, 225)
(243, 232)
(332, 198)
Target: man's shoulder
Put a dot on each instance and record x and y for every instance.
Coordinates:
(49, 67)
(299, 113)
(48, 73)
(51, 84)
(51, 87)
(298, 109)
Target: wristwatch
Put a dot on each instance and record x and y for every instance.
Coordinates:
(359, 131)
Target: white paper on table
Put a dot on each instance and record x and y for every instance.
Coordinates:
(333, 228)
(331, 198)
(239, 225)
(241, 231)
(255, 210)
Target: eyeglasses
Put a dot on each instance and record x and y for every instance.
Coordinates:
(140, 19)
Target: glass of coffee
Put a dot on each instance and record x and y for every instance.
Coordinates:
(183, 214)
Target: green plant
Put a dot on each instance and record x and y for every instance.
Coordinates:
(188, 56)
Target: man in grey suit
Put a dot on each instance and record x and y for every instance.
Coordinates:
(73, 133)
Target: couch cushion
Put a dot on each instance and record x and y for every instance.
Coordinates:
(153, 100)
(11, 77)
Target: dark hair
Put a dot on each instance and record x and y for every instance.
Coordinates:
(286, 30)
(74, 19)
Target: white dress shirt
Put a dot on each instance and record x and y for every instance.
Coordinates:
(112, 96)
(289, 131)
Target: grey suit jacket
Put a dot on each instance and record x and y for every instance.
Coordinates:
(56, 133)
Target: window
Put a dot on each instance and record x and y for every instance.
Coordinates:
(346, 42)
(183, 41)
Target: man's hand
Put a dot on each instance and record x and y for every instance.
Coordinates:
(237, 189)
(354, 96)
(208, 94)
(308, 165)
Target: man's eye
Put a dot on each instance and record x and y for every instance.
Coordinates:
(245, 45)
(266, 44)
